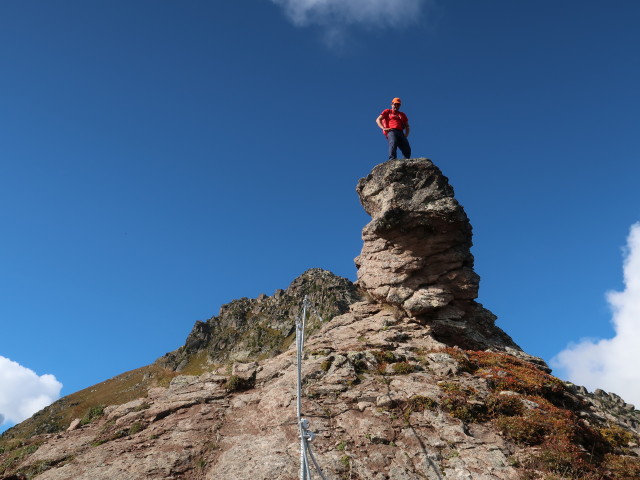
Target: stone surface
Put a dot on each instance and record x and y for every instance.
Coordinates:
(416, 253)
(248, 328)
(387, 386)
(195, 429)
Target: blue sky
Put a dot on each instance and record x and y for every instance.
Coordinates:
(161, 158)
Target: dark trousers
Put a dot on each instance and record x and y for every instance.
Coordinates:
(397, 139)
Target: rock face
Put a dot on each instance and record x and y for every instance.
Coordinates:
(386, 401)
(250, 328)
(416, 253)
(408, 378)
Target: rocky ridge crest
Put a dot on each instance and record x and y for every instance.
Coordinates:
(410, 379)
(256, 328)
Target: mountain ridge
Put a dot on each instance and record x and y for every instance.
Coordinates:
(407, 377)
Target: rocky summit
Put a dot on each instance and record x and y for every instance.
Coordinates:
(405, 376)
(417, 254)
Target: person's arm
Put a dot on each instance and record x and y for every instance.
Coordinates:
(379, 122)
(405, 125)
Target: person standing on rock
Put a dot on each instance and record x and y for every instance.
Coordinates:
(395, 126)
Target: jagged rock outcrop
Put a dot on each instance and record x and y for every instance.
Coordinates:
(252, 328)
(416, 254)
(416, 251)
(408, 379)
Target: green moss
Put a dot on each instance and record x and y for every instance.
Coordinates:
(420, 403)
(504, 372)
(36, 468)
(360, 366)
(10, 445)
(460, 356)
(455, 388)
(142, 406)
(197, 364)
(528, 429)
(622, 467)
(121, 433)
(402, 368)
(326, 364)
(383, 356)
(135, 428)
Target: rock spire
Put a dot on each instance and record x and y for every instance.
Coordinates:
(416, 254)
(416, 251)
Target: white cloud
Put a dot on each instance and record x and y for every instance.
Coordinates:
(335, 15)
(612, 364)
(372, 12)
(23, 392)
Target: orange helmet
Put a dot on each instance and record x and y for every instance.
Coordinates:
(396, 100)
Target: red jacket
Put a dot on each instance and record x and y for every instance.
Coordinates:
(394, 120)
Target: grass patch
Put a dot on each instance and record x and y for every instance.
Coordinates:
(238, 384)
(17, 455)
(420, 403)
(402, 368)
(118, 390)
(94, 412)
(135, 428)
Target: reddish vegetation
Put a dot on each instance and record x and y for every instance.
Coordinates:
(562, 445)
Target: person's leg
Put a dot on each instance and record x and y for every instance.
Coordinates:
(403, 143)
(393, 144)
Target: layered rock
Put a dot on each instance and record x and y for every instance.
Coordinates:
(417, 253)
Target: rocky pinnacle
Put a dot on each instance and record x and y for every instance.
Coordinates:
(416, 253)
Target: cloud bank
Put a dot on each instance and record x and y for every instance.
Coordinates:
(372, 12)
(334, 16)
(23, 392)
(612, 364)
